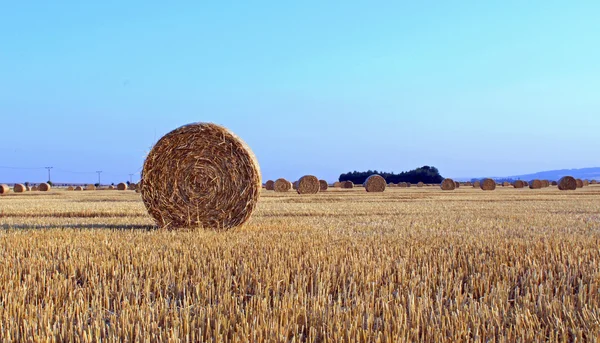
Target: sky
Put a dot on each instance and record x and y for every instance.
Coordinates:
(474, 88)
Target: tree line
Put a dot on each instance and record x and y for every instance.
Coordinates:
(425, 174)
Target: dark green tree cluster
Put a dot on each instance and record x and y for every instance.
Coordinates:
(425, 174)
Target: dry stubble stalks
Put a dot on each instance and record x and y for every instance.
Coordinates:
(200, 175)
(44, 187)
(375, 183)
(270, 185)
(308, 184)
(567, 183)
(536, 184)
(19, 188)
(487, 185)
(519, 184)
(282, 185)
(323, 185)
(448, 185)
(122, 186)
(347, 184)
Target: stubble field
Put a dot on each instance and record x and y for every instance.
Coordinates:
(406, 265)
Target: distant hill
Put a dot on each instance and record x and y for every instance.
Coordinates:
(584, 174)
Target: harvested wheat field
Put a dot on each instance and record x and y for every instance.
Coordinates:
(345, 265)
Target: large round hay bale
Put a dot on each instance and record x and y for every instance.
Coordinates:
(282, 185)
(448, 185)
(545, 183)
(420, 184)
(347, 184)
(4, 189)
(90, 187)
(323, 185)
(476, 184)
(122, 186)
(536, 184)
(487, 185)
(78, 188)
(567, 183)
(270, 185)
(337, 184)
(375, 183)
(579, 183)
(44, 187)
(308, 184)
(200, 175)
(519, 184)
(19, 188)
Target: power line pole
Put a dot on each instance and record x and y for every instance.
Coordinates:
(99, 172)
(49, 179)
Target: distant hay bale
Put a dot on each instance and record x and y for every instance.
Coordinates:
(34, 188)
(505, 184)
(282, 185)
(111, 187)
(402, 184)
(19, 188)
(448, 185)
(586, 183)
(536, 184)
(122, 186)
(270, 185)
(594, 182)
(138, 187)
(408, 185)
(200, 175)
(308, 184)
(420, 184)
(526, 183)
(70, 188)
(476, 184)
(579, 183)
(468, 184)
(337, 184)
(78, 188)
(487, 185)
(27, 188)
(90, 187)
(457, 184)
(323, 185)
(567, 183)
(375, 183)
(347, 184)
(519, 184)
(545, 183)
(44, 187)
(4, 189)
(554, 183)
(391, 184)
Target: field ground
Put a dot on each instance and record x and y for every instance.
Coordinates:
(406, 265)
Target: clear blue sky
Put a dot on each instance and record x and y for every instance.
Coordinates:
(475, 88)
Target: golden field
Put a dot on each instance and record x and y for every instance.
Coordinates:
(407, 265)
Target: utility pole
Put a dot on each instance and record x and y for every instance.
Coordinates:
(130, 178)
(99, 172)
(49, 179)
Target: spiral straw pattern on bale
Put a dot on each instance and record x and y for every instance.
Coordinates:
(200, 175)
(308, 184)
(448, 185)
(519, 184)
(579, 183)
(122, 186)
(487, 185)
(44, 187)
(347, 184)
(536, 184)
(567, 183)
(19, 188)
(270, 185)
(282, 185)
(4, 189)
(375, 183)
(323, 185)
